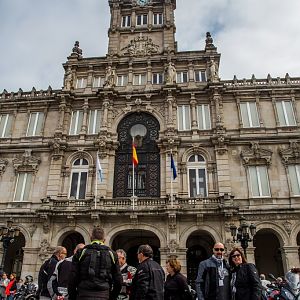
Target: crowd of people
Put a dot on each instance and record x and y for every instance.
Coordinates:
(96, 272)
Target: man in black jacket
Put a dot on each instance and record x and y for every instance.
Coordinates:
(148, 282)
(213, 280)
(96, 273)
(47, 270)
(58, 282)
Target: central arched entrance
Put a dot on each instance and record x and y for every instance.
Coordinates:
(71, 241)
(199, 245)
(130, 240)
(142, 129)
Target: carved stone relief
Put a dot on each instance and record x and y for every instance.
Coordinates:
(256, 155)
(140, 46)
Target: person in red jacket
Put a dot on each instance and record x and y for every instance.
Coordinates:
(11, 287)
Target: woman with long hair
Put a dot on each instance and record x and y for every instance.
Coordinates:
(245, 282)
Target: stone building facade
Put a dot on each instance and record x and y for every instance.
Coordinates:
(235, 144)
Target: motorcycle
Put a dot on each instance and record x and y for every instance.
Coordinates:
(27, 291)
(289, 290)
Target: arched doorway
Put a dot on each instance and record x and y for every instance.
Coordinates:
(71, 241)
(199, 245)
(142, 129)
(267, 253)
(14, 256)
(130, 240)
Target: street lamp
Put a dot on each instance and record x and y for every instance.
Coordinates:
(7, 236)
(243, 234)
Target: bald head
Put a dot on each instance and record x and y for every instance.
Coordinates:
(218, 250)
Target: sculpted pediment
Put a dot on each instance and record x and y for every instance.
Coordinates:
(26, 162)
(256, 155)
(290, 155)
(140, 46)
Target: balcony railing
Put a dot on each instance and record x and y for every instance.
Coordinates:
(126, 204)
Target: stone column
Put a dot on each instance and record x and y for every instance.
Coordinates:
(31, 262)
(181, 256)
(84, 120)
(290, 257)
(250, 254)
(193, 103)
(105, 113)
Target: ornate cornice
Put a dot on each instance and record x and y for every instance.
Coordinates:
(290, 155)
(26, 163)
(256, 155)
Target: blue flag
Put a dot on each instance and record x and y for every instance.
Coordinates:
(173, 167)
(99, 169)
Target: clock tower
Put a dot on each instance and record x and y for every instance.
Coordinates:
(141, 27)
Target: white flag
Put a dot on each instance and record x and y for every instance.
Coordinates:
(99, 169)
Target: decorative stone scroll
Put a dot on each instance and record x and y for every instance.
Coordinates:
(290, 155)
(3, 164)
(256, 155)
(140, 46)
(26, 163)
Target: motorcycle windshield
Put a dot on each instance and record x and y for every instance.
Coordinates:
(293, 280)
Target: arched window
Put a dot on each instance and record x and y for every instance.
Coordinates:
(79, 178)
(196, 167)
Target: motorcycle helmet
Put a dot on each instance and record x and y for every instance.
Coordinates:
(293, 280)
(28, 279)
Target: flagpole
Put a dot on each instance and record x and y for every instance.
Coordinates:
(172, 202)
(132, 185)
(96, 185)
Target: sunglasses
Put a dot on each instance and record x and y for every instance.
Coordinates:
(219, 249)
(235, 255)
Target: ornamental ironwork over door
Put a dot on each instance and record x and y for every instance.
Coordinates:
(144, 129)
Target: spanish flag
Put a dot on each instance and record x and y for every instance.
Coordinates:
(135, 159)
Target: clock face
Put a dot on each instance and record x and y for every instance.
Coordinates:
(142, 2)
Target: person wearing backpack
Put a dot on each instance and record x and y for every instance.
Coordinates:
(47, 270)
(96, 272)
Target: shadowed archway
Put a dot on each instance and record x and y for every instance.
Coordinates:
(130, 240)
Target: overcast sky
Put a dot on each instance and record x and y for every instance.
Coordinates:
(253, 36)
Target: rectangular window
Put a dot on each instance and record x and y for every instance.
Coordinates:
(203, 117)
(5, 125)
(157, 78)
(126, 21)
(197, 181)
(23, 185)
(294, 173)
(200, 75)
(81, 83)
(35, 124)
(76, 122)
(157, 19)
(122, 80)
(259, 181)
(78, 185)
(98, 82)
(182, 77)
(183, 114)
(139, 79)
(94, 122)
(249, 114)
(285, 113)
(141, 20)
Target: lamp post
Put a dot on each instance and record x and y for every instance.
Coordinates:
(243, 234)
(7, 236)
